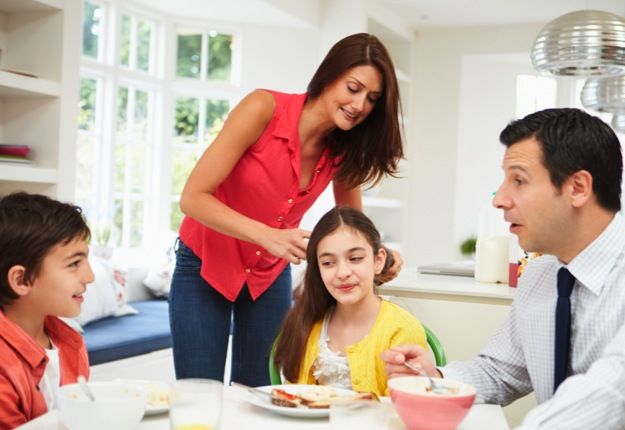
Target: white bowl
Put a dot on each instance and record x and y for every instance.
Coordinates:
(118, 405)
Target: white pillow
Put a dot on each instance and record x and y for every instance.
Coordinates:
(158, 278)
(105, 296)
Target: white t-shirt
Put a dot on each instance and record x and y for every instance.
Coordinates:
(51, 379)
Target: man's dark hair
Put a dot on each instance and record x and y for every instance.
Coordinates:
(30, 226)
(572, 140)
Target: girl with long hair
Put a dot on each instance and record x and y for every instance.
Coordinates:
(339, 326)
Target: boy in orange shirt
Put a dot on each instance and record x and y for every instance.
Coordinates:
(43, 273)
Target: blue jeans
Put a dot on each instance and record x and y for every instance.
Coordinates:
(200, 319)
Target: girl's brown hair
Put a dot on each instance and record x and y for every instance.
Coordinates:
(314, 300)
(373, 148)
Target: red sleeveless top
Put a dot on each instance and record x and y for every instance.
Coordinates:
(263, 185)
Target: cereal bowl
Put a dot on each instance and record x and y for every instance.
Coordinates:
(117, 405)
(421, 409)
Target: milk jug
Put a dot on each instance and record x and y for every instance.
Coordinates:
(491, 248)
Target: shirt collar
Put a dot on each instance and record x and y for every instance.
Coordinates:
(593, 265)
(292, 113)
(61, 334)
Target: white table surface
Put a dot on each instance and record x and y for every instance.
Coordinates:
(410, 281)
(239, 414)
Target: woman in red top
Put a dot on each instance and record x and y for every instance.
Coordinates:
(247, 194)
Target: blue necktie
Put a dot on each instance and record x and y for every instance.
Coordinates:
(563, 326)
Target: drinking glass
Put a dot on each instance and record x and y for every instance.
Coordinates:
(361, 415)
(195, 404)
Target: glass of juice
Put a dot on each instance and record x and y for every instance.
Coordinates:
(195, 404)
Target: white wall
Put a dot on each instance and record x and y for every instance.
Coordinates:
(282, 59)
(462, 97)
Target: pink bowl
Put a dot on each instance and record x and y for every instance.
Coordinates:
(421, 410)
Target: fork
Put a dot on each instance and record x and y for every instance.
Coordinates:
(434, 387)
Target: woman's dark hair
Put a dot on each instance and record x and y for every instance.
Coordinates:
(314, 300)
(374, 147)
(572, 140)
(30, 226)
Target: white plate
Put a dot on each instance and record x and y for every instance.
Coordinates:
(155, 389)
(302, 411)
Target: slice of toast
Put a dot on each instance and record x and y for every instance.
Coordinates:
(282, 398)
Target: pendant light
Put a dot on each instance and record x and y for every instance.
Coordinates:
(604, 94)
(581, 43)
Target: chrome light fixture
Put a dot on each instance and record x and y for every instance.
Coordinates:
(604, 94)
(618, 122)
(581, 43)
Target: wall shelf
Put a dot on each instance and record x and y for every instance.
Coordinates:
(30, 5)
(14, 85)
(12, 172)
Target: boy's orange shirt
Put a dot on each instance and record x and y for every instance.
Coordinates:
(23, 362)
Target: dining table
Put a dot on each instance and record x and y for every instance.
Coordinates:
(239, 412)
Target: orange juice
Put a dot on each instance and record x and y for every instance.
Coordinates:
(194, 427)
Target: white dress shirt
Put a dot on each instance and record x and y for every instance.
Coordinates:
(519, 358)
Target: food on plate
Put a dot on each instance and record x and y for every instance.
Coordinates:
(282, 398)
(157, 396)
(317, 397)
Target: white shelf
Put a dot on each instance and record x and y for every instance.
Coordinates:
(377, 202)
(14, 85)
(18, 173)
(29, 5)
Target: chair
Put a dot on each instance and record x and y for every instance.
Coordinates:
(433, 342)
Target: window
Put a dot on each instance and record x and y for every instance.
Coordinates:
(135, 43)
(133, 161)
(205, 56)
(92, 15)
(197, 122)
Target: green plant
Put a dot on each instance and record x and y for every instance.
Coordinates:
(467, 247)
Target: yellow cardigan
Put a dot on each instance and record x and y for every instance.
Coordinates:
(393, 326)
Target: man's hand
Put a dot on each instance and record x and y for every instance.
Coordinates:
(395, 358)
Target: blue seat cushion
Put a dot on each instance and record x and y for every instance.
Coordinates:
(115, 338)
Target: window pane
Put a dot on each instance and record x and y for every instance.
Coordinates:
(122, 110)
(175, 217)
(144, 29)
(219, 57)
(182, 164)
(119, 160)
(189, 52)
(86, 104)
(118, 222)
(138, 161)
(92, 14)
(136, 223)
(85, 164)
(216, 111)
(141, 114)
(186, 126)
(124, 41)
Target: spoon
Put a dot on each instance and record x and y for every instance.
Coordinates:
(85, 388)
(434, 387)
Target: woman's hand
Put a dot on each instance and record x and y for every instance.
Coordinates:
(289, 244)
(395, 358)
(393, 270)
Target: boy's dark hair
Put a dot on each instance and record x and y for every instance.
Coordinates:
(572, 140)
(30, 226)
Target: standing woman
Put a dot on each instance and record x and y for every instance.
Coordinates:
(247, 194)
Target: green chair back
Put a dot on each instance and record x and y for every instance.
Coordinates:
(436, 347)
